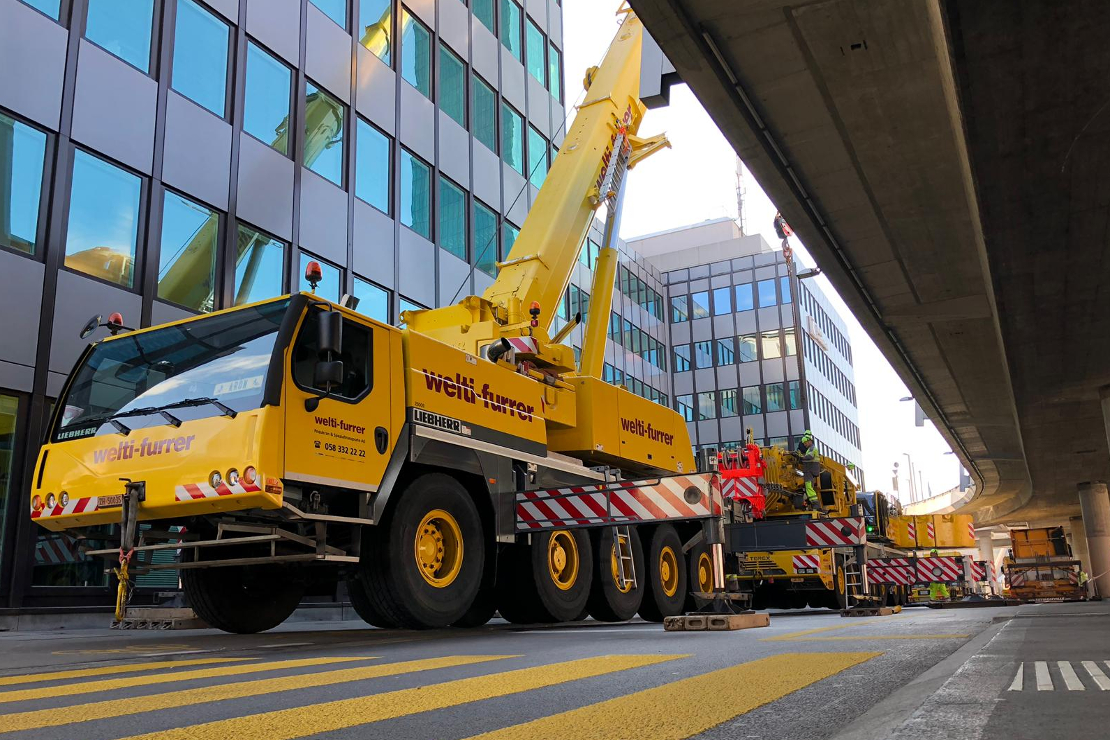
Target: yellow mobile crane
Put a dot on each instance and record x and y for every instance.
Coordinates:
(456, 466)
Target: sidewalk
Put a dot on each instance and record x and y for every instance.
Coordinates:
(1039, 672)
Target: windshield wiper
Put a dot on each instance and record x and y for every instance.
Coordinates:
(114, 419)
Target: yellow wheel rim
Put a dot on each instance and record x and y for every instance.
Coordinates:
(562, 560)
(668, 571)
(705, 573)
(617, 569)
(439, 548)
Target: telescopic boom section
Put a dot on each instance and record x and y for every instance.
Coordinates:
(538, 269)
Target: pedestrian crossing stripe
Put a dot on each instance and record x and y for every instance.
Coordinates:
(114, 684)
(111, 708)
(316, 719)
(1072, 679)
(110, 669)
(689, 706)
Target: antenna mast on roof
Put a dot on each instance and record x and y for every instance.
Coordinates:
(741, 191)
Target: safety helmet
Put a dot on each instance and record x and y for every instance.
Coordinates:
(807, 436)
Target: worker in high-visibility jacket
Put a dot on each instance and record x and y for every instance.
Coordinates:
(811, 468)
(938, 591)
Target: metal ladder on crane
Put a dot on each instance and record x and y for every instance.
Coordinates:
(626, 565)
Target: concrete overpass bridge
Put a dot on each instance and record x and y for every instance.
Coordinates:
(945, 161)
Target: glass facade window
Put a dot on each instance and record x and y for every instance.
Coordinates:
(325, 119)
(728, 403)
(554, 73)
(680, 309)
(416, 54)
(123, 29)
(748, 350)
(510, 27)
(537, 157)
(22, 158)
(483, 113)
(452, 218)
(790, 343)
(744, 300)
(416, 194)
(372, 170)
(372, 300)
(51, 8)
(684, 405)
(512, 138)
(95, 245)
(509, 233)
(334, 9)
(534, 45)
(266, 99)
(485, 239)
(753, 404)
(259, 266)
(699, 305)
(784, 289)
(187, 253)
(375, 32)
(452, 85)
(703, 354)
(766, 291)
(484, 12)
(681, 358)
(9, 417)
(776, 397)
(722, 301)
(200, 57)
(772, 344)
(331, 283)
(707, 405)
(726, 351)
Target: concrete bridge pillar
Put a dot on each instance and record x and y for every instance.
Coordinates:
(1094, 502)
(1079, 544)
(986, 552)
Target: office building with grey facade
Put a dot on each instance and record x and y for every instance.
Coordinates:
(164, 157)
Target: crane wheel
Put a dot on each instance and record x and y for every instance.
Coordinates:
(699, 564)
(665, 586)
(608, 601)
(485, 603)
(423, 568)
(243, 599)
(547, 580)
(365, 607)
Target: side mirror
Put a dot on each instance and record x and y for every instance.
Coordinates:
(330, 332)
(327, 376)
(92, 325)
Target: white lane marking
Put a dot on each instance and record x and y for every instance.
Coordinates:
(1097, 674)
(283, 644)
(1019, 678)
(1070, 679)
(1044, 681)
(180, 652)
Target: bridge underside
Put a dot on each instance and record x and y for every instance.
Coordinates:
(943, 161)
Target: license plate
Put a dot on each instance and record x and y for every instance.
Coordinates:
(103, 501)
(797, 580)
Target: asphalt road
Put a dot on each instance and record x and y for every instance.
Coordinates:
(809, 675)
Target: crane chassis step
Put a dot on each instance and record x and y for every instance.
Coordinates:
(716, 622)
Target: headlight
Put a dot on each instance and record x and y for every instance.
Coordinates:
(36, 502)
(64, 499)
(250, 475)
(233, 477)
(215, 479)
(50, 501)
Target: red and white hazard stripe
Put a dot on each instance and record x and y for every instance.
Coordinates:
(911, 529)
(939, 570)
(56, 550)
(812, 562)
(836, 532)
(971, 530)
(658, 500)
(194, 491)
(886, 572)
(978, 570)
(523, 344)
(75, 506)
(931, 531)
(738, 488)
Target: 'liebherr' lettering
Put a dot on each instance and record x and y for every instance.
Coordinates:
(463, 388)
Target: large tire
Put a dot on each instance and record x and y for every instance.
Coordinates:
(424, 567)
(548, 580)
(665, 586)
(607, 602)
(243, 599)
(699, 563)
(485, 603)
(369, 611)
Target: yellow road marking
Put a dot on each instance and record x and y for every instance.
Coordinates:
(688, 707)
(803, 633)
(335, 715)
(119, 708)
(108, 670)
(879, 637)
(111, 684)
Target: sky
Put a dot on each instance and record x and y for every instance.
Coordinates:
(695, 181)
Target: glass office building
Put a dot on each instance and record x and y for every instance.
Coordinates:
(164, 157)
